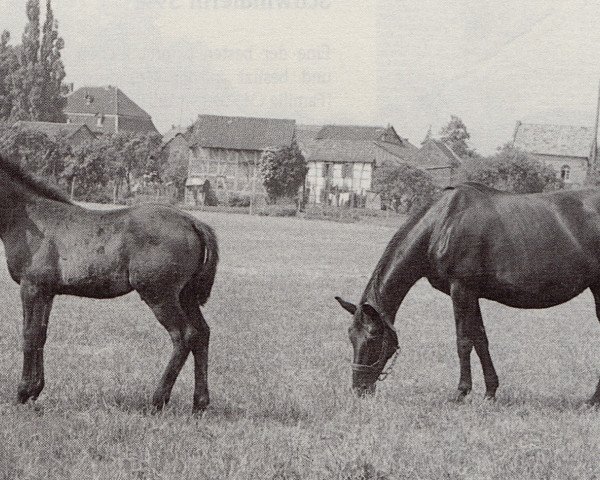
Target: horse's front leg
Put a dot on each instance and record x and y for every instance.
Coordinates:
(470, 333)
(37, 303)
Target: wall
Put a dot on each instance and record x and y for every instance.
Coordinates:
(578, 166)
(359, 181)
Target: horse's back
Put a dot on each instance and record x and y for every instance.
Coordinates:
(526, 250)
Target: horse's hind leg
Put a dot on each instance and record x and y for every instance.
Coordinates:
(197, 337)
(37, 304)
(171, 316)
(470, 333)
(595, 400)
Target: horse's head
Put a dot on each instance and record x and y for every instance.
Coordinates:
(374, 341)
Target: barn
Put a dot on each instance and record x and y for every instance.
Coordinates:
(439, 160)
(226, 151)
(342, 158)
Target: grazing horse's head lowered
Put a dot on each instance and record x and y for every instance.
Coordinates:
(374, 340)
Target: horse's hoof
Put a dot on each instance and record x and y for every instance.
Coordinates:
(460, 396)
(200, 405)
(490, 397)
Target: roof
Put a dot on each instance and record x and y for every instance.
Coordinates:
(561, 140)
(354, 143)
(435, 153)
(52, 129)
(306, 132)
(173, 132)
(107, 100)
(242, 133)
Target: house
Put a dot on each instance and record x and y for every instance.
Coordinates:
(227, 150)
(437, 159)
(107, 110)
(341, 159)
(176, 145)
(565, 148)
(74, 134)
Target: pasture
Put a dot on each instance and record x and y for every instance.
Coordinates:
(279, 378)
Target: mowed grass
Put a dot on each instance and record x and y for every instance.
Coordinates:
(279, 378)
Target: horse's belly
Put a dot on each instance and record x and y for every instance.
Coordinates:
(96, 278)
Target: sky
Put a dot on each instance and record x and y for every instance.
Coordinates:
(411, 64)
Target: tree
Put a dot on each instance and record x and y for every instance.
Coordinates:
(513, 170)
(8, 62)
(37, 152)
(404, 187)
(283, 171)
(53, 100)
(36, 88)
(455, 135)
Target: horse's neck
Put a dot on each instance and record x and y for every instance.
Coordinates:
(402, 264)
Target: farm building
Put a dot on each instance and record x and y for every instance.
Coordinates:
(227, 150)
(74, 134)
(107, 110)
(437, 159)
(342, 158)
(566, 148)
(176, 145)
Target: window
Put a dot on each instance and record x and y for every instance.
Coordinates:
(565, 172)
(347, 170)
(327, 170)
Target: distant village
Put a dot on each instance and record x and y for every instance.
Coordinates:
(341, 159)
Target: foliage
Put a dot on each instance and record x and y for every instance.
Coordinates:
(283, 171)
(513, 170)
(41, 155)
(456, 136)
(404, 187)
(236, 200)
(32, 74)
(210, 196)
(174, 171)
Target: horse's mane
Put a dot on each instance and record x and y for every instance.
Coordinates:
(17, 173)
(390, 249)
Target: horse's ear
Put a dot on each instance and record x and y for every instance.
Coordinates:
(349, 307)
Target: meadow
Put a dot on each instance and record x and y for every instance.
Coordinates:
(279, 376)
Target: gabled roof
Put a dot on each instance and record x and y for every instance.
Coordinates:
(435, 153)
(546, 139)
(107, 100)
(354, 143)
(53, 130)
(172, 133)
(242, 133)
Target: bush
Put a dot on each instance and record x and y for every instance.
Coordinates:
(278, 211)
(237, 200)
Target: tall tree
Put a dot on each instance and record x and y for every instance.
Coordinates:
(456, 136)
(52, 69)
(8, 63)
(36, 84)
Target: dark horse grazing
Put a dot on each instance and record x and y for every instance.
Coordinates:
(55, 247)
(525, 251)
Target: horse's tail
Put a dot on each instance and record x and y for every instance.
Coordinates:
(205, 276)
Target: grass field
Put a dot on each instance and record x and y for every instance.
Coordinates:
(279, 377)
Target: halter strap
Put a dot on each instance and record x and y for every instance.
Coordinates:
(379, 365)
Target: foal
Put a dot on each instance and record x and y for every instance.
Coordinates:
(54, 247)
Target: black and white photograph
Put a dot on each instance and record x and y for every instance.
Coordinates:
(299, 239)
